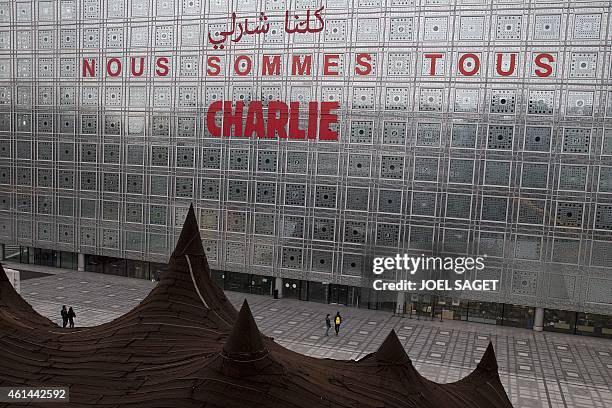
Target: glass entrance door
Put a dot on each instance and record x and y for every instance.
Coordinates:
(45, 257)
(338, 294)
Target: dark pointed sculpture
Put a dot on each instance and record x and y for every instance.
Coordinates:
(184, 345)
(3, 277)
(189, 242)
(245, 341)
(488, 363)
(391, 351)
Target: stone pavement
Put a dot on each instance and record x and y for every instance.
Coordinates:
(538, 369)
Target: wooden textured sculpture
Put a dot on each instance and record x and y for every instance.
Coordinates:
(185, 346)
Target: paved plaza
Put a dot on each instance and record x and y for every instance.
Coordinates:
(537, 369)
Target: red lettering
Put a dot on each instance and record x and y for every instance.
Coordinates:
(89, 68)
(283, 121)
(462, 64)
(328, 118)
(133, 64)
(162, 65)
(313, 116)
(232, 119)
(277, 119)
(271, 66)
(330, 61)
(109, 64)
(211, 124)
(249, 65)
(294, 122)
(432, 64)
(364, 64)
(214, 68)
(301, 68)
(255, 120)
(546, 69)
(499, 65)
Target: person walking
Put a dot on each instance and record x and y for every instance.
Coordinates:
(337, 322)
(71, 316)
(64, 313)
(327, 324)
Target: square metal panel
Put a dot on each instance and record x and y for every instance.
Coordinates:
(428, 134)
(534, 175)
(500, 137)
(425, 169)
(547, 27)
(401, 29)
(532, 211)
(466, 100)
(355, 232)
(464, 135)
(326, 196)
(494, 209)
(394, 133)
(461, 171)
(239, 159)
(264, 224)
(576, 140)
(421, 238)
(267, 160)
(497, 173)
(295, 194)
(435, 28)
(390, 201)
(573, 177)
(471, 28)
(210, 189)
(392, 167)
(237, 190)
(359, 165)
(603, 217)
(293, 226)
(323, 229)
(587, 26)
(357, 199)
(423, 203)
(265, 192)
(459, 206)
(509, 27)
(579, 103)
(322, 261)
(538, 139)
(570, 214)
(431, 99)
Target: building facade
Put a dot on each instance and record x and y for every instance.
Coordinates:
(463, 128)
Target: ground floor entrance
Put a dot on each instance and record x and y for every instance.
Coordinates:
(416, 306)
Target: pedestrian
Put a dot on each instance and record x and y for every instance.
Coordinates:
(71, 316)
(337, 322)
(64, 313)
(327, 324)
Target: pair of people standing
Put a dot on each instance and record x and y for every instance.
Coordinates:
(337, 323)
(68, 316)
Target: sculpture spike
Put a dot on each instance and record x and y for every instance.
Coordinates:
(245, 340)
(488, 363)
(3, 277)
(392, 351)
(189, 242)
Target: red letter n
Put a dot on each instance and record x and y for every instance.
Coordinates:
(89, 67)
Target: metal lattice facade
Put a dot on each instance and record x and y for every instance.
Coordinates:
(517, 167)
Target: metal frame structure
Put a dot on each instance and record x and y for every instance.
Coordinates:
(517, 167)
